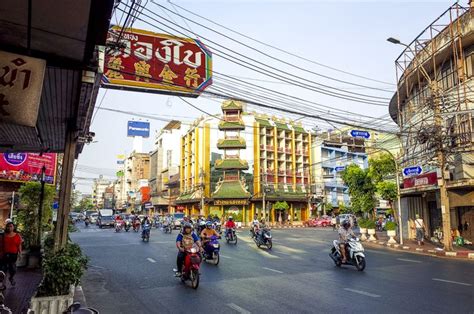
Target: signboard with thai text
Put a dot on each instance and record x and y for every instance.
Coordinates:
(360, 134)
(412, 171)
(25, 167)
(230, 202)
(146, 61)
(21, 83)
(430, 178)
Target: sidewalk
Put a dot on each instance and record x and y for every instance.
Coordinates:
(18, 298)
(428, 248)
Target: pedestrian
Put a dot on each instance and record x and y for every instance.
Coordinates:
(420, 230)
(289, 219)
(11, 248)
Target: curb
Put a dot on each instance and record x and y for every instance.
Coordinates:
(459, 255)
(79, 296)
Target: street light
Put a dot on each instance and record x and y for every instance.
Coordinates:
(394, 41)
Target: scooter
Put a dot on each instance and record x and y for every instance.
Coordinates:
(118, 226)
(231, 236)
(264, 237)
(211, 250)
(127, 226)
(167, 228)
(190, 271)
(354, 253)
(146, 232)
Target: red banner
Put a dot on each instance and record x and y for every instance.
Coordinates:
(24, 167)
(421, 180)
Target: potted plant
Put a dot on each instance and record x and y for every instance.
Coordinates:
(363, 228)
(391, 228)
(371, 230)
(62, 271)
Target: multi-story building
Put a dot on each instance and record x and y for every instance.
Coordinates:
(332, 152)
(98, 190)
(236, 162)
(164, 164)
(434, 110)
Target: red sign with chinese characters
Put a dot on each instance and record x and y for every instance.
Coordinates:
(142, 60)
(421, 180)
(24, 167)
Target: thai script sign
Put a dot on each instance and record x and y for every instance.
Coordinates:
(156, 63)
(430, 178)
(138, 128)
(230, 202)
(21, 82)
(412, 171)
(24, 167)
(358, 133)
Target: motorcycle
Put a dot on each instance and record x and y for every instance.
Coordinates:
(136, 226)
(263, 237)
(86, 222)
(211, 250)
(231, 236)
(190, 271)
(146, 232)
(217, 226)
(118, 226)
(167, 228)
(354, 252)
(127, 225)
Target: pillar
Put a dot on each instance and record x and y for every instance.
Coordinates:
(292, 212)
(244, 215)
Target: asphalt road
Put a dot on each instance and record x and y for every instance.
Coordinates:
(296, 276)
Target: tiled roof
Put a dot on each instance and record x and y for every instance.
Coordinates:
(231, 125)
(231, 104)
(282, 126)
(233, 163)
(231, 143)
(264, 122)
(299, 129)
(231, 189)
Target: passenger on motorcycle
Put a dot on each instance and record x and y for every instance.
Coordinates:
(345, 233)
(229, 225)
(185, 240)
(255, 226)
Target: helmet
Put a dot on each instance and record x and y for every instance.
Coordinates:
(231, 218)
(8, 220)
(208, 224)
(346, 224)
(187, 225)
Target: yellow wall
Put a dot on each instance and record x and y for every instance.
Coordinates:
(275, 144)
(293, 157)
(256, 158)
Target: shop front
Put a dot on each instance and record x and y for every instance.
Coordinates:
(237, 208)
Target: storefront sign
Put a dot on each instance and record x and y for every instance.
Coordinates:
(421, 180)
(24, 167)
(138, 128)
(147, 61)
(231, 202)
(21, 83)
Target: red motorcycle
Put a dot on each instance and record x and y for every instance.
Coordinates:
(190, 271)
(136, 225)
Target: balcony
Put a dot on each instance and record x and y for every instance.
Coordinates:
(288, 150)
(281, 149)
(270, 147)
(335, 184)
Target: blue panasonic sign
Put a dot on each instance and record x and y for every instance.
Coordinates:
(138, 128)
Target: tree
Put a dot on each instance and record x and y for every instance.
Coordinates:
(75, 200)
(387, 190)
(361, 188)
(281, 206)
(85, 204)
(382, 169)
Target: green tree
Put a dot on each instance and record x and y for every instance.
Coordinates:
(381, 167)
(387, 190)
(27, 215)
(281, 206)
(361, 188)
(85, 204)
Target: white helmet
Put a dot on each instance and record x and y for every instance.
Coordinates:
(8, 220)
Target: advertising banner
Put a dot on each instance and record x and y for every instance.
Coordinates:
(147, 61)
(138, 128)
(25, 167)
(421, 180)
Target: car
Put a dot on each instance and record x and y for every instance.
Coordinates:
(93, 218)
(324, 221)
(105, 221)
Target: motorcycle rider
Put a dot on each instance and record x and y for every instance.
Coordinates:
(255, 226)
(207, 233)
(119, 220)
(184, 241)
(229, 225)
(259, 230)
(345, 233)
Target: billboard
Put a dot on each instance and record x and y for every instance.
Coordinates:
(138, 128)
(25, 167)
(147, 61)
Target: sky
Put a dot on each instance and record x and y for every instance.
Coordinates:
(346, 35)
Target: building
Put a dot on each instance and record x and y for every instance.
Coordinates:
(137, 174)
(435, 114)
(164, 164)
(237, 162)
(98, 191)
(332, 152)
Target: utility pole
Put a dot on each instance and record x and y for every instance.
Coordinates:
(40, 207)
(201, 176)
(264, 192)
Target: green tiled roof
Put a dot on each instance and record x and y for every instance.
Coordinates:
(226, 164)
(231, 125)
(231, 189)
(231, 143)
(299, 129)
(282, 195)
(264, 123)
(231, 104)
(186, 197)
(282, 126)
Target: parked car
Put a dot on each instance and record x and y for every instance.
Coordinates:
(323, 221)
(105, 221)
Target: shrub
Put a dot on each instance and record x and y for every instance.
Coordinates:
(390, 225)
(362, 222)
(370, 224)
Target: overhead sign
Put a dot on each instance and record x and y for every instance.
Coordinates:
(340, 168)
(21, 83)
(412, 171)
(147, 61)
(120, 162)
(138, 128)
(25, 167)
(360, 134)
(148, 205)
(430, 178)
(231, 202)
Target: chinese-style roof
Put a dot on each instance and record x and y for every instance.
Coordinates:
(232, 125)
(282, 126)
(299, 129)
(231, 189)
(187, 197)
(265, 123)
(231, 163)
(282, 195)
(231, 105)
(231, 143)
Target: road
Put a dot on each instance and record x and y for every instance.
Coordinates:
(296, 276)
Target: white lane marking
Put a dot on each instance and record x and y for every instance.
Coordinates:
(238, 308)
(225, 256)
(273, 270)
(363, 293)
(450, 281)
(151, 260)
(408, 260)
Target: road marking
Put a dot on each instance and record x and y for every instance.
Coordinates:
(273, 270)
(225, 256)
(237, 308)
(363, 293)
(151, 260)
(450, 281)
(408, 260)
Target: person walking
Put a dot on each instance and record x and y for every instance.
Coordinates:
(420, 230)
(11, 248)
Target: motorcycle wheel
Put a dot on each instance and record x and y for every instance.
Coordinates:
(228, 240)
(235, 243)
(194, 276)
(269, 244)
(361, 263)
(216, 260)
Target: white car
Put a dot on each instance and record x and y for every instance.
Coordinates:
(93, 218)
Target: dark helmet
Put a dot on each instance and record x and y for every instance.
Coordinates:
(187, 225)
(346, 224)
(208, 224)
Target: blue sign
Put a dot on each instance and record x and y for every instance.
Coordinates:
(138, 128)
(120, 162)
(55, 205)
(412, 171)
(15, 159)
(358, 133)
(340, 168)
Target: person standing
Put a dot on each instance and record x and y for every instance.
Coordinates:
(420, 230)
(11, 248)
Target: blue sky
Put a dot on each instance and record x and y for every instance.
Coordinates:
(348, 35)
